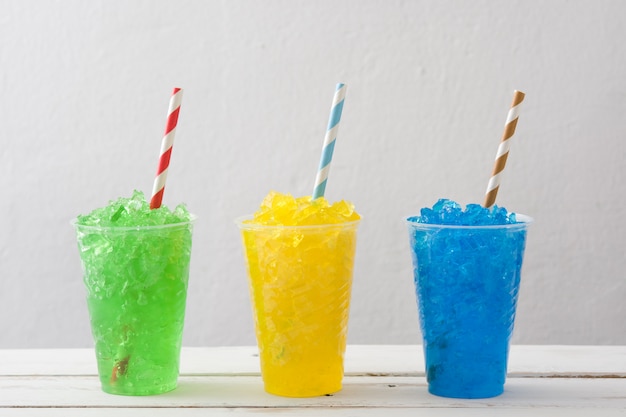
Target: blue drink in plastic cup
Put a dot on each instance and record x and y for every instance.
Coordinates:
(467, 281)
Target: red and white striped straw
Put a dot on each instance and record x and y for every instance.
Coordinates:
(166, 148)
(503, 149)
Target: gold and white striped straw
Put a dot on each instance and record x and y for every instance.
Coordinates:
(503, 149)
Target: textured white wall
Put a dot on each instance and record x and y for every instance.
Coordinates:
(84, 87)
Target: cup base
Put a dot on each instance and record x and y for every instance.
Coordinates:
(469, 394)
(139, 391)
(302, 392)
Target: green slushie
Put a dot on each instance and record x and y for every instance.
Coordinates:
(136, 268)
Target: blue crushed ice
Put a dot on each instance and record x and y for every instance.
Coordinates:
(450, 212)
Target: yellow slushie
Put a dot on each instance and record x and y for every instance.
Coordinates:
(300, 256)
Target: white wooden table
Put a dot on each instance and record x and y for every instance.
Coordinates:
(380, 381)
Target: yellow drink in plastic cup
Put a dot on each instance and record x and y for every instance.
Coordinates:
(300, 283)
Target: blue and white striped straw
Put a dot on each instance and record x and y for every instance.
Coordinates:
(329, 141)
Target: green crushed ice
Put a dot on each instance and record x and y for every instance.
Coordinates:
(133, 211)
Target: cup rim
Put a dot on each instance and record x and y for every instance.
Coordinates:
(74, 223)
(239, 221)
(523, 221)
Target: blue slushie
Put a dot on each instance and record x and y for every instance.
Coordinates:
(467, 268)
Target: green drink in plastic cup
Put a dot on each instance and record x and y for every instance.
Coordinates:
(136, 269)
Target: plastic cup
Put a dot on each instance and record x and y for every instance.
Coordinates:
(467, 281)
(136, 280)
(300, 283)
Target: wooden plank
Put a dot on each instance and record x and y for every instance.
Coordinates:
(47, 362)
(311, 412)
(609, 361)
(358, 393)
(398, 360)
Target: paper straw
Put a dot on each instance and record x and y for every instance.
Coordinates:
(503, 149)
(166, 148)
(329, 141)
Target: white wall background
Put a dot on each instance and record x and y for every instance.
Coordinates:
(84, 87)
